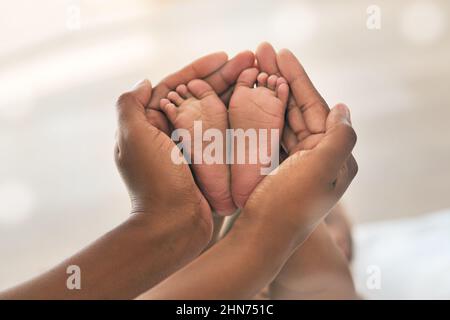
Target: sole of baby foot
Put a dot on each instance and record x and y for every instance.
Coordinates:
(259, 102)
(193, 102)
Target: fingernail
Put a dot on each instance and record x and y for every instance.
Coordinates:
(344, 109)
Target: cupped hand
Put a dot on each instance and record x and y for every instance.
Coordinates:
(143, 152)
(307, 110)
(156, 184)
(220, 75)
(292, 201)
(317, 177)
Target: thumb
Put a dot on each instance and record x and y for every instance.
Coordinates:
(339, 114)
(131, 105)
(143, 91)
(339, 140)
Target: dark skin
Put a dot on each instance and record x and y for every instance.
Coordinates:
(171, 221)
(305, 126)
(316, 270)
(307, 185)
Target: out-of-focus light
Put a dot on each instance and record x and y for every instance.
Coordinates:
(20, 107)
(70, 66)
(293, 24)
(422, 22)
(16, 202)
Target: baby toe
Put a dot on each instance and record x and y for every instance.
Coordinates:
(163, 102)
(175, 98)
(262, 79)
(170, 110)
(200, 89)
(282, 92)
(280, 80)
(272, 82)
(183, 91)
(247, 78)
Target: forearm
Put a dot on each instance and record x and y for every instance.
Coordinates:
(316, 270)
(237, 267)
(123, 263)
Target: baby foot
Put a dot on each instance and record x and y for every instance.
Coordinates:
(198, 102)
(260, 107)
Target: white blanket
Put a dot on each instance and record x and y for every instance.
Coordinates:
(404, 259)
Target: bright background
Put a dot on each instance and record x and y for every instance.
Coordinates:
(64, 62)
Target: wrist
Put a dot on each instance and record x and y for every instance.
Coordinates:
(192, 228)
(263, 240)
(277, 229)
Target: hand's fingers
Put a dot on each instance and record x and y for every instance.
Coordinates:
(267, 59)
(225, 77)
(336, 145)
(289, 139)
(340, 114)
(283, 154)
(346, 175)
(283, 93)
(295, 120)
(159, 120)
(226, 96)
(308, 99)
(334, 163)
(295, 129)
(198, 69)
(131, 105)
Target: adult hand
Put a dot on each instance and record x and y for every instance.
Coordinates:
(151, 150)
(156, 184)
(307, 110)
(291, 202)
(219, 73)
(278, 216)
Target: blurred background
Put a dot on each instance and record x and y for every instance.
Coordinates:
(64, 62)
